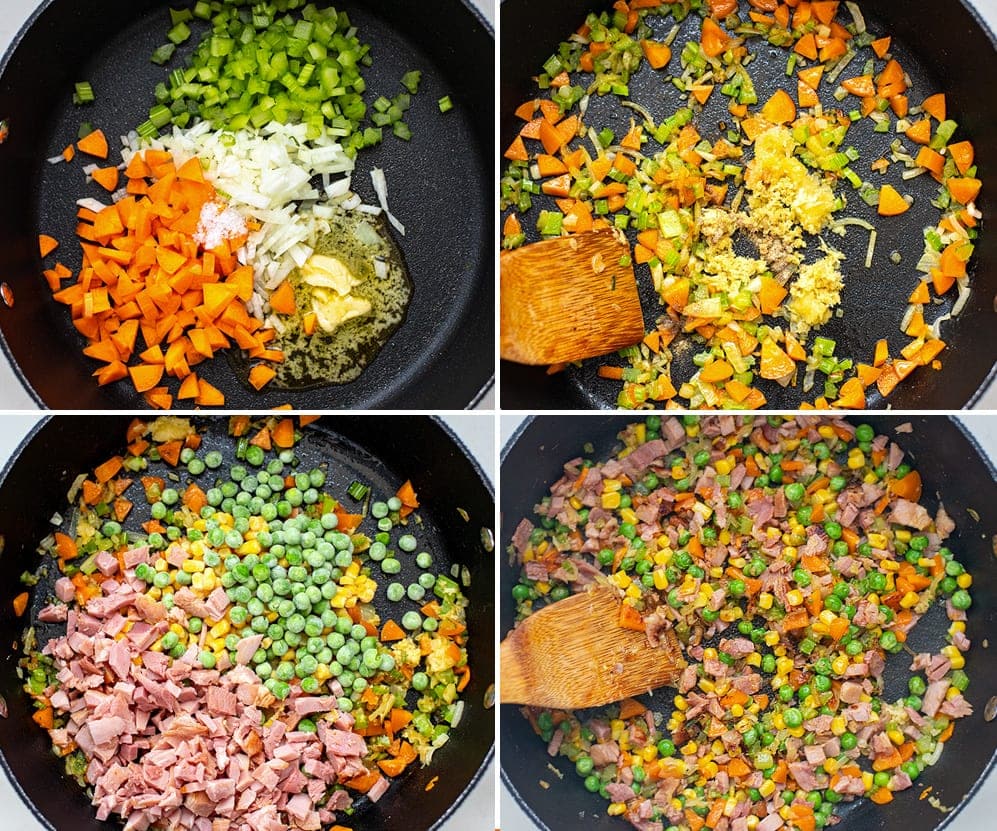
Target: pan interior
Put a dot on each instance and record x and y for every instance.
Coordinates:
(874, 299)
(446, 248)
(533, 461)
(347, 453)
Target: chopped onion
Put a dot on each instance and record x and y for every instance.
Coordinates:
(856, 13)
(963, 287)
(91, 204)
(909, 315)
(872, 247)
(381, 189)
(458, 712)
(380, 268)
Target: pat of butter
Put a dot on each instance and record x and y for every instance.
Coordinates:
(331, 282)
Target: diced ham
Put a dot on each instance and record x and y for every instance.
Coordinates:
(221, 702)
(641, 458)
(818, 724)
(604, 753)
(521, 536)
(344, 743)
(749, 683)
(814, 753)
(803, 773)
(54, 614)
(900, 781)
(851, 692)
(135, 556)
(65, 590)
(852, 785)
(771, 823)
(933, 697)
(619, 792)
(831, 748)
(106, 563)
(956, 707)
(944, 526)
(307, 705)
(246, 649)
(377, 789)
(737, 647)
(911, 514)
(938, 667)
(688, 679)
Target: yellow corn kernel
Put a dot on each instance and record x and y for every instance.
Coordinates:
(724, 466)
(964, 580)
(322, 673)
(611, 485)
(154, 593)
(867, 779)
(616, 809)
(895, 736)
(575, 503)
(873, 598)
(689, 748)
(783, 666)
(902, 534)
(752, 822)
(797, 732)
(789, 553)
(909, 600)
(680, 703)
(889, 565)
(784, 812)
(707, 686)
(178, 630)
(778, 722)
(778, 681)
(840, 664)
(754, 659)
(220, 629)
(771, 638)
(738, 562)
(877, 540)
(736, 710)
(611, 501)
(958, 662)
(826, 431)
(856, 462)
(649, 752)
(675, 722)
(216, 645)
(716, 572)
(773, 534)
(632, 591)
(708, 769)
(794, 598)
(827, 617)
(838, 725)
(767, 788)
(710, 654)
(660, 579)
(621, 579)
(765, 600)
(161, 565)
(831, 766)
(958, 626)
(725, 537)
(730, 615)
(692, 430)
(950, 651)
(678, 472)
(249, 547)
(870, 478)
(676, 803)
(951, 693)
(926, 562)
(616, 725)
(197, 582)
(628, 515)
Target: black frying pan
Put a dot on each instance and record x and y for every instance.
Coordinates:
(439, 185)
(949, 461)
(948, 51)
(382, 451)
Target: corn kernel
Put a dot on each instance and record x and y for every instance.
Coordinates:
(840, 664)
(725, 537)
(797, 732)
(784, 813)
(649, 752)
(216, 644)
(249, 547)
(870, 478)
(154, 593)
(778, 681)
(771, 638)
(610, 485)
(689, 748)
(926, 562)
(867, 779)
(709, 769)
(909, 600)
(197, 582)
(736, 710)
(754, 659)
(610, 500)
(716, 572)
(902, 534)
(958, 626)
(856, 462)
(838, 725)
(616, 809)
(752, 822)
(895, 736)
(628, 515)
(220, 629)
(680, 703)
(958, 662)
(950, 651)
(692, 430)
(724, 466)
(826, 431)
(707, 686)
(161, 565)
(678, 472)
(633, 591)
(794, 598)
(765, 600)
(889, 565)
(783, 666)
(877, 540)
(767, 788)
(778, 722)
(738, 562)
(873, 598)
(322, 673)
(951, 693)
(789, 553)
(660, 579)
(964, 580)
(621, 579)
(831, 766)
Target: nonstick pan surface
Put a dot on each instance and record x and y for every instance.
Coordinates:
(943, 50)
(380, 451)
(951, 464)
(439, 185)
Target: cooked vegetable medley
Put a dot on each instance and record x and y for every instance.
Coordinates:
(213, 649)
(791, 557)
(724, 165)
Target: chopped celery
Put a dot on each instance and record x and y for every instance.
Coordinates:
(410, 80)
(163, 54)
(445, 104)
(84, 93)
(179, 33)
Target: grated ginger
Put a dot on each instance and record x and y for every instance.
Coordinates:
(815, 292)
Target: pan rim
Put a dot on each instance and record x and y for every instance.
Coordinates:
(487, 385)
(989, 463)
(986, 385)
(450, 433)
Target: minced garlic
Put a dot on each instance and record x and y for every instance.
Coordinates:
(815, 292)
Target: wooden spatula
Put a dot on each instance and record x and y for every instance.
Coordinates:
(574, 654)
(568, 298)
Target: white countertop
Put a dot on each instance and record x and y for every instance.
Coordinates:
(13, 14)
(476, 812)
(978, 814)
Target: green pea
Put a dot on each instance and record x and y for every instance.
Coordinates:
(792, 717)
(888, 640)
(417, 592)
(207, 659)
(411, 621)
(961, 600)
(584, 765)
(396, 591)
(407, 543)
(420, 681)
(917, 685)
(391, 566)
(865, 432)
(795, 492)
(425, 560)
(666, 748)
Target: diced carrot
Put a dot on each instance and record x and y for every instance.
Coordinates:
(881, 46)
(962, 154)
(94, 144)
(775, 363)
(861, 86)
(47, 244)
(630, 618)
(283, 433)
(964, 191)
(920, 131)
(714, 39)
(107, 178)
(934, 105)
(807, 46)
(891, 203)
(517, 151)
(658, 54)
(20, 604)
(779, 109)
(771, 295)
